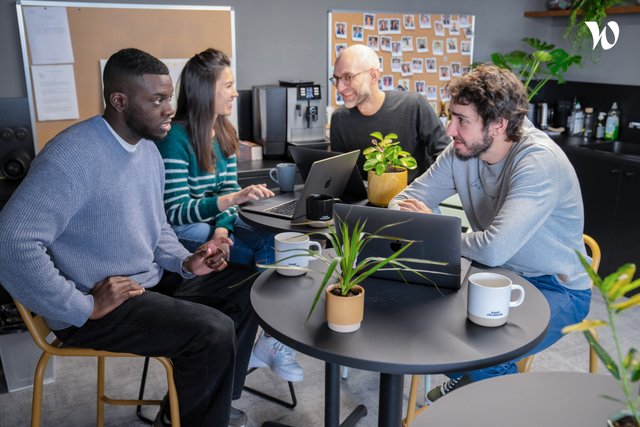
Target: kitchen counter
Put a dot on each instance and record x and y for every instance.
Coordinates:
(623, 152)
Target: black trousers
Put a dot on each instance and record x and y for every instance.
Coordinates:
(206, 325)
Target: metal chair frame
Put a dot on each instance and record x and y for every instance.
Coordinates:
(39, 331)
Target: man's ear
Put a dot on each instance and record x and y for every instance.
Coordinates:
(499, 126)
(118, 101)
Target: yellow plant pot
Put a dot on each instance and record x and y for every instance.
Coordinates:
(385, 187)
(344, 314)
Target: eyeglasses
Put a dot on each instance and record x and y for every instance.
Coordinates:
(346, 79)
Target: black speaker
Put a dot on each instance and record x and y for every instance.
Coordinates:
(16, 144)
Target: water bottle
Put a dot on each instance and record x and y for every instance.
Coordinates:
(578, 119)
(612, 125)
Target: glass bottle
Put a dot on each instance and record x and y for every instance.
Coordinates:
(578, 119)
(612, 125)
(600, 125)
(589, 121)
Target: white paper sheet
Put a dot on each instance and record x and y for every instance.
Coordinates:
(54, 89)
(48, 33)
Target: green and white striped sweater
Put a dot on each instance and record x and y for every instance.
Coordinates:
(191, 194)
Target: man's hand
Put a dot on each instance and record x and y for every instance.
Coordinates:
(209, 257)
(110, 293)
(222, 232)
(413, 205)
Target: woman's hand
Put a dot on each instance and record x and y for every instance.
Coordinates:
(413, 205)
(251, 192)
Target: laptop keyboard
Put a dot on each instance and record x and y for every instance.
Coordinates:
(285, 209)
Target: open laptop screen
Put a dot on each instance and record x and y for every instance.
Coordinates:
(437, 239)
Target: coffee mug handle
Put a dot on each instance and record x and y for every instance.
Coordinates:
(520, 298)
(273, 172)
(317, 247)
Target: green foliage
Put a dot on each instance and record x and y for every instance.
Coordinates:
(386, 155)
(346, 268)
(583, 11)
(624, 367)
(543, 63)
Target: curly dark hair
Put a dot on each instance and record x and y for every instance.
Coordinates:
(495, 93)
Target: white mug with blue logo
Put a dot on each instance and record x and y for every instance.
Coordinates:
(489, 298)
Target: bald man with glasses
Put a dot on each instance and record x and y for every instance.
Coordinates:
(368, 109)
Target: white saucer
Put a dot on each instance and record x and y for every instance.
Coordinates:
(320, 224)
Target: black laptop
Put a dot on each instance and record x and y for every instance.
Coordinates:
(438, 238)
(304, 158)
(326, 176)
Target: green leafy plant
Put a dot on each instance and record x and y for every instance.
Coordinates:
(583, 11)
(346, 268)
(545, 62)
(386, 155)
(624, 367)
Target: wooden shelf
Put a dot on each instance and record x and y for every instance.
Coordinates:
(617, 10)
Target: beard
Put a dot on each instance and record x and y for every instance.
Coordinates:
(477, 148)
(140, 126)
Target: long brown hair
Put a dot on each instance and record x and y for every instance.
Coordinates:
(196, 107)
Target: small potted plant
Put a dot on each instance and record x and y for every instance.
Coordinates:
(387, 164)
(545, 62)
(624, 367)
(345, 272)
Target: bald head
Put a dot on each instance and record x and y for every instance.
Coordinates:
(359, 56)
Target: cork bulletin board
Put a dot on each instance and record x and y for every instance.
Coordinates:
(418, 52)
(98, 30)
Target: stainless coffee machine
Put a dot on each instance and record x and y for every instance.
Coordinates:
(291, 113)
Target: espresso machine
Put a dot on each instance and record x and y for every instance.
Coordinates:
(292, 112)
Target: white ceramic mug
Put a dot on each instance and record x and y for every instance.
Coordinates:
(288, 245)
(489, 298)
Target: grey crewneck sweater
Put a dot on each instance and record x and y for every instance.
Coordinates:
(87, 210)
(526, 211)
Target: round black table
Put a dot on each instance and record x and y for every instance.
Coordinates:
(527, 400)
(407, 329)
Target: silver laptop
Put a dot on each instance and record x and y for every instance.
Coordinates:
(326, 176)
(438, 238)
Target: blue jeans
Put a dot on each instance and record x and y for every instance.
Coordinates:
(250, 245)
(567, 307)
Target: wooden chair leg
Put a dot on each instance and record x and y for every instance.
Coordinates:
(100, 401)
(411, 404)
(171, 390)
(38, 384)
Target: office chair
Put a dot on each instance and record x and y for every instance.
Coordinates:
(524, 364)
(39, 331)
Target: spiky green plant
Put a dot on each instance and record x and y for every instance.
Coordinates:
(624, 367)
(346, 267)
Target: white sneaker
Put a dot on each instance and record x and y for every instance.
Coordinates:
(271, 353)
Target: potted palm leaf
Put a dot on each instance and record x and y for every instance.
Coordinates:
(387, 164)
(544, 62)
(623, 366)
(345, 271)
